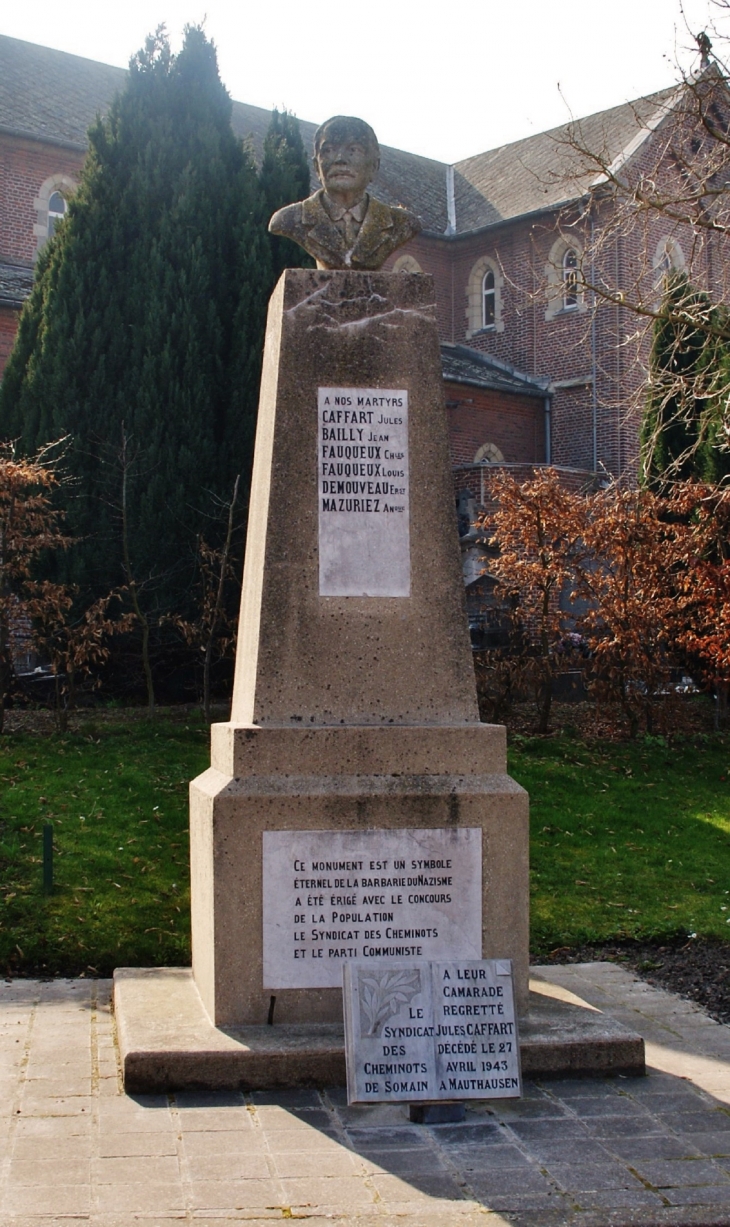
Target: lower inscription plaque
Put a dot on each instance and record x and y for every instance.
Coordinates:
(430, 1031)
(330, 896)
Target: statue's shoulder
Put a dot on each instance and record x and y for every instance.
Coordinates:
(294, 218)
(402, 220)
(288, 220)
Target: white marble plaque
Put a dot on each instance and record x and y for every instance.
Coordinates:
(364, 530)
(418, 1031)
(330, 896)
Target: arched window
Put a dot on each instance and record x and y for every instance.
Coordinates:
(407, 264)
(489, 300)
(489, 453)
(565, 288)
(484, 297)
(50, 205)
(570, 279)
(668, 258)
(56, 211)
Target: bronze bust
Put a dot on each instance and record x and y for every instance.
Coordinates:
(341, 225)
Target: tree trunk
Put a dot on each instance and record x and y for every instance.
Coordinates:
(131, 584)
(217, 610)
(544, 702)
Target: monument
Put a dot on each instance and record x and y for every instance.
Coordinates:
(355, 807)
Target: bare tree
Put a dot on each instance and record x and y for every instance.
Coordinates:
(213, 628)
(654, 228)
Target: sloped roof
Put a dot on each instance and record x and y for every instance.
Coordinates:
(546, 170)
(50, 95)
(463, 365)
(53, 96)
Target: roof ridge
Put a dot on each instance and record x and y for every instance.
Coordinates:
(561, 128)
(26, 42)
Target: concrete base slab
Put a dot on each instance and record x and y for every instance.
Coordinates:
(167, 1042)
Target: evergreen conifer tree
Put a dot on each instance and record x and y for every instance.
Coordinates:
(285, 178)
(144, 329)
(682, 422)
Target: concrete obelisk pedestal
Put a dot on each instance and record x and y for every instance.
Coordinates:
(350, 712)
(355, 806)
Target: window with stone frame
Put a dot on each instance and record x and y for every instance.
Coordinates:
(407, 264)
(565, 290)
(489, 300)
(51, 206)
(668, 259)
(571, 264)
(56, 211)
(489, 453)
(484, 297)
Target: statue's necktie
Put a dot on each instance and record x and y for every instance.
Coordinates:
(351, 230)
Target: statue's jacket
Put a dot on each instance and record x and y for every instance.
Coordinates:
(384, 228)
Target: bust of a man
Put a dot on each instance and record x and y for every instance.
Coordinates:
(341, 225)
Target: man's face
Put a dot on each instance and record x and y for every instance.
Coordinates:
(345, 164)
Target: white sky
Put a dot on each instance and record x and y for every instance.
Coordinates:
(444, 80)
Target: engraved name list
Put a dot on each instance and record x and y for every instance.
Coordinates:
(364, 530)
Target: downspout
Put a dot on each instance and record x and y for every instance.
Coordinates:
(594, 388)
(451, 229)
(450, 201)
(548, 428)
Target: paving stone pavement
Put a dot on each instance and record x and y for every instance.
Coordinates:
(585, 1153)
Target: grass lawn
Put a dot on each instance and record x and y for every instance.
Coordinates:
(116, 794)
(628, 841)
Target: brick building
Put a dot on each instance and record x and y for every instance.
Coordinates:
(533, 372)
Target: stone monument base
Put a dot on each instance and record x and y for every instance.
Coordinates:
(167, 1042)
(395, 778)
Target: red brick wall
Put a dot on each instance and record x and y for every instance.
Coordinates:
(602, 353)
(515, 424)
(435, 256)
(24, 167)
(605, 358)
(8, 328)
(476, 479)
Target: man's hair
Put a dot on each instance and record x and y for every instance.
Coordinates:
(348, 125)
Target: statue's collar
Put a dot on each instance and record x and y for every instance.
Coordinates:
(336, 212)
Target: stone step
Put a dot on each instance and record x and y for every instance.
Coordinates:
(167, 1042)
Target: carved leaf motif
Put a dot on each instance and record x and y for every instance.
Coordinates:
(382, 994)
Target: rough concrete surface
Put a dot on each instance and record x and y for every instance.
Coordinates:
(595, 1152)
(349, 712)
(306, 659)
(228, 815)
(166, 1041)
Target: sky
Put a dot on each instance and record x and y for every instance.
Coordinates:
(445, 82)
